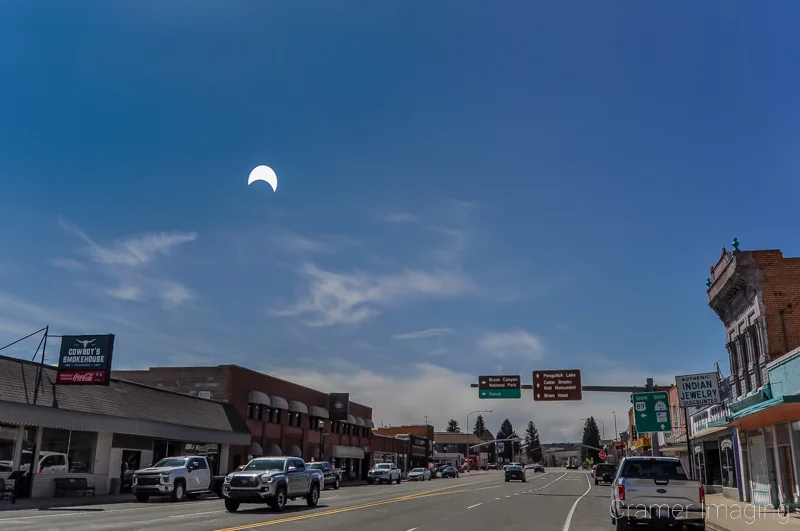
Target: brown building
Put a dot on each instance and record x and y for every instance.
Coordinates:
(284, 418)
(420, 437)
(756, 296)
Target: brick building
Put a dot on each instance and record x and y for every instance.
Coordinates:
(420, 438)
(756, 294)
(284, 418)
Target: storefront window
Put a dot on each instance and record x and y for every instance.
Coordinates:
(728, 464)
(8, 436)
(64, 451)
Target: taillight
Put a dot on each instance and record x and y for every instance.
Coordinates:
(621, 492)
(39, 471)
(702, 495)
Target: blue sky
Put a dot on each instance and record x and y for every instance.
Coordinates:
(464, 188)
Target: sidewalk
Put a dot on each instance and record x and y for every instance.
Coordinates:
(55, 503)
(724, 514)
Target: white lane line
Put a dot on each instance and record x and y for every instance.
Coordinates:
(497, 498)
(508, 496)
(195, 514)
(75, 511)
(412, 529)
(574, 505)
(545, 486)
(517, 494)
(473, 506)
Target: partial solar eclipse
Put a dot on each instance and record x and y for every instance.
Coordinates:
(266, 174)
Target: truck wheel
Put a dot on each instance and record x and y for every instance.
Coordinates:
(278, 502)
(621, 524)
(336, 484)
(398, 480)
(231, 505)
(142, 498)
(370, 481)
(193, 496)
(313, 497)
(179, 492)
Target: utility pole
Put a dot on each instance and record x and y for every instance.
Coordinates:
(655, 450)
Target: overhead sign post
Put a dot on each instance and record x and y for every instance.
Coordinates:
(500, 387)
(651, 412)
(557, 386)
(85, 360)
(696, 390)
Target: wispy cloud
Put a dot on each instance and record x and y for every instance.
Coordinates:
(125, 293)
(291, 242)
(351, 298)
(513, 344)
(400, 217)
(422, 334)
(132, 251)
(68, 264)
(174, 294)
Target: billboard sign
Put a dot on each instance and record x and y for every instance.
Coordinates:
(85, 360)
(500, 447)
(696, 390)
(339, 406)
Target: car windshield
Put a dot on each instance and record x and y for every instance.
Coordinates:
(607, 469)
(514, 468)
(315, 466)
(170, 463)
(418, 470)
(383, 467)
(654, 470)
(265, 464)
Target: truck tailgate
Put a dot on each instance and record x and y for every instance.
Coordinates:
(652, 492)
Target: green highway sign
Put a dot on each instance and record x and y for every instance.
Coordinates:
(651, 412)
(500, 387)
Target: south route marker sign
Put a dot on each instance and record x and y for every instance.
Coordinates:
(698, 389)
(500, 387)
(557, 386)
(651, 412)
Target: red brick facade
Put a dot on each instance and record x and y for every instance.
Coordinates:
(232, 384)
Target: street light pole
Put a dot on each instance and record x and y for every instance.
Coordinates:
(616, 432)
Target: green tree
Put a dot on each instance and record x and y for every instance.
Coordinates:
(591, 437)
(480, 426)
(453, 427)
(532, 443)
(507, 432)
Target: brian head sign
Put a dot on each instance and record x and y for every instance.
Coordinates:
(340, 406)
(85, 360)
(698, 389)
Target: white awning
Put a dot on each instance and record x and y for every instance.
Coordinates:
(273, 450)
(294, 451)
(360, 421)
(257, 397)
(347, 452)
(351, 419)
(255, 449)
(369, 423)
(298, 407)
(278, 402)
(316, 411)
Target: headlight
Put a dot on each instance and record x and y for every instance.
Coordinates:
(227, 479)
(267, 479)
(165, 476)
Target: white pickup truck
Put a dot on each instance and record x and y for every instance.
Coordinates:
(186, 476)
(384, 472)
(656, 490)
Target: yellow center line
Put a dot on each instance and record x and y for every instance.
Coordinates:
(408, 497)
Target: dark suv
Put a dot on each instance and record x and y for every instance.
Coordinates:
(604, 473)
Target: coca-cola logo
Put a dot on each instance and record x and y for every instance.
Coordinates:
(81, 377)
(85, 377)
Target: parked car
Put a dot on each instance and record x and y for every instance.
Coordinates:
(656, 490)
(537, 467)
(515, 472)
(419, 474)
(450, 472)
(272, 480)
(332, 477)
(604, 473)
(384, 473)
(182, 477)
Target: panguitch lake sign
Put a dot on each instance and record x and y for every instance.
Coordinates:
(698, 389)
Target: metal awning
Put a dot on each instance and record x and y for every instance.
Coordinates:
(294, 451)
(278, 402)
(273, 450)
(347, 452)
(707, 433)
(316, 411)
(255, 449)
(351, 419)
(360, 421)
(369, 423)
(257, 397)
(298, 407)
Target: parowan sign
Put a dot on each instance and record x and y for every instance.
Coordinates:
(698, 389)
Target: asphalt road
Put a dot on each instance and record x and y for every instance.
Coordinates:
(559, 500)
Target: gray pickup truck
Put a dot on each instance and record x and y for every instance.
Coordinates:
(272, 480)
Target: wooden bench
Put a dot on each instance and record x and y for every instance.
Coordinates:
(64, 485)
